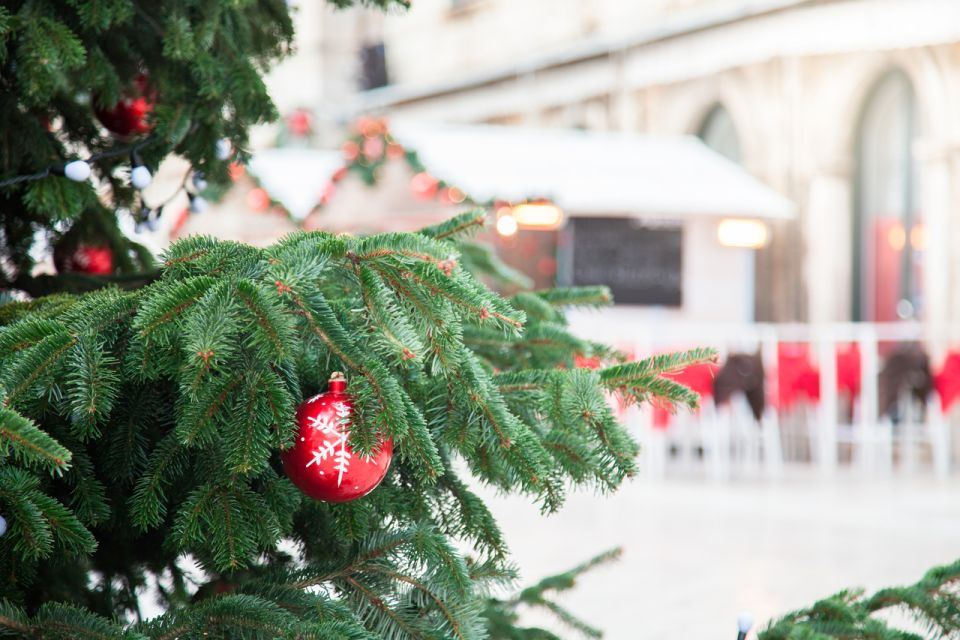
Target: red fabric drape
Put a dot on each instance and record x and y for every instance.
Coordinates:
(796, 376)
(947, 381)
(698, 377)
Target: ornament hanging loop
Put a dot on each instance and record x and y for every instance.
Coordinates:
(337, 381)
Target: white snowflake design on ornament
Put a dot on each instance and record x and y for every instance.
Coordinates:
(337, 445)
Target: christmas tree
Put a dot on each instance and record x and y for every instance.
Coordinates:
(148, 410)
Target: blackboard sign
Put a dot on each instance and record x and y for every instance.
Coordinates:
(641, 264)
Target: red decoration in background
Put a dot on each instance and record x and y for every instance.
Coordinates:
(581, 361)
(698, 377)
(300, 123)
(796, 376)
(258, 199)
(327, 193)
(130, 115)
(321, 462)
(395, 151)
(92, 260)
(848, 370)
(180, 221)
(373, 148)
(236, 171)
(424, 185)
(369, 127)
(947, 381)
(351, 150)
(547, 265)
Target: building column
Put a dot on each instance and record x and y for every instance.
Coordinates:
(936, 202)
(827, 266)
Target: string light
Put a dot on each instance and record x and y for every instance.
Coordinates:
(147, 217)
(77, 170)
(197, 203)
(223, 149)
(140, 176)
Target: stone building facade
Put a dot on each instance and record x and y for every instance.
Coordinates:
(851, 108)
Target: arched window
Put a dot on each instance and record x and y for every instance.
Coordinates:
(720, 134)
(888, 231)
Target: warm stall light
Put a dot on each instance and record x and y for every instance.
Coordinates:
(918, 238)
(897, 237)
(506, 225)
(745, 234)
(537, 215)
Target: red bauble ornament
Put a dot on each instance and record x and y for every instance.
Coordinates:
(86, 259)
(321, 462)
(129, 116)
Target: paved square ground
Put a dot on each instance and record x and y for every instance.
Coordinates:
(696, 553)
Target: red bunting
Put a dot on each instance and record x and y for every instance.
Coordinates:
(947, 381)
(796, 376)
(698, 377)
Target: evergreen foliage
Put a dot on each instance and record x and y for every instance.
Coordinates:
(502, 614)
(141, 432)
(933, 603)
(204, 61)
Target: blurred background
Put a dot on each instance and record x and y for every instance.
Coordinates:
(776, 178)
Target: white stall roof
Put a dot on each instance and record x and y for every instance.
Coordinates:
(586, 173)
(295, 177)
(589, 173)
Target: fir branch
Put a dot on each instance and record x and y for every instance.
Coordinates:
(26, 442)
(577, 296)
(461, 224)
(36, 363)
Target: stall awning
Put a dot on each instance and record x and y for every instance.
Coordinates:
(589, 173)
(586, 173)
(295, 177)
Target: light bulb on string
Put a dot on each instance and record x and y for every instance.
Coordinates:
(77, 170)
(140, 176)
(223, 149)
(199, 182)
(197, 204)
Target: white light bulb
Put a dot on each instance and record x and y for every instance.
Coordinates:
(744, 622)
(140, 177)
(77, 170)
(223, 149)
(198, 204)
(199, 182)
(3, 525)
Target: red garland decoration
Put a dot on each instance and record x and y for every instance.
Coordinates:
(321, 462)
